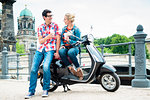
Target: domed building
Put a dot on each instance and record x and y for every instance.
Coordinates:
(26, 23)
(26, 29)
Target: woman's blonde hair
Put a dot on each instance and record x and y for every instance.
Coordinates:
(70, 17)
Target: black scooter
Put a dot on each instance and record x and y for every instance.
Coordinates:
(100, 71)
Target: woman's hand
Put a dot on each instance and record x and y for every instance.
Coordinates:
(56, 55)
(62, 47)
(67, 39)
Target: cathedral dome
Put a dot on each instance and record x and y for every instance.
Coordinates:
(26, 12)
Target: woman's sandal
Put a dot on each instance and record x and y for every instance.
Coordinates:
(80, 73)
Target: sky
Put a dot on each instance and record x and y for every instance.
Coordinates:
(105, 16)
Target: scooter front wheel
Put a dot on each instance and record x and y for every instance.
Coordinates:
(110, 81)
(53, 85)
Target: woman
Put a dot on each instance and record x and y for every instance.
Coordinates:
(66, 49)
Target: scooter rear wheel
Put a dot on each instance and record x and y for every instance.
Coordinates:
(53, 85)
(110, 81)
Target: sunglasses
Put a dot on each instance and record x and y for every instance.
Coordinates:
(49, 15)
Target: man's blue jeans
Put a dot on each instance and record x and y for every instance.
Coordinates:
(38, 58)
(71, 53)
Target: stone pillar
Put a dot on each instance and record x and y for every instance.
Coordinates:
(7, 34)
(140, 79)
(4, 64)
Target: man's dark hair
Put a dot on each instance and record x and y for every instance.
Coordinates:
(44, 13)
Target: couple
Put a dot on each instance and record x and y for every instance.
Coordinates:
(48, 45)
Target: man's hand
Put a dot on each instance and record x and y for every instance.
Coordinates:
(43, 40)
(50, 36)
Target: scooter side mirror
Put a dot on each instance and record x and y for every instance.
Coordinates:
(90, 37)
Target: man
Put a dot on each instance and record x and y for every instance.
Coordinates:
(48, 42)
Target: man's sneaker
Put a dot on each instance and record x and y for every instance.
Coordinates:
(30, 94)
(45, 93)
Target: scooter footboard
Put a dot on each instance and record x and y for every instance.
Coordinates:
(107, 68)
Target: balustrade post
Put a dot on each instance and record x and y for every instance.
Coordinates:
(102, 49)
(18, 66)
(140, 79)
(130, 62)
(32, 50)
(4, 64)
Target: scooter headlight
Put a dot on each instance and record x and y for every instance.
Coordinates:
(90, 37)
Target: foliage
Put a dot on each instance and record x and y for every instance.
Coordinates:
(131, 39)
(147, 54)
(115, 39)
(83, 50)
(119, 49)
(19, 48)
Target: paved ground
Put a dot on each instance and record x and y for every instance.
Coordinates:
(16, 90)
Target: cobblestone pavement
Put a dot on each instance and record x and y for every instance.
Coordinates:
(16, 90)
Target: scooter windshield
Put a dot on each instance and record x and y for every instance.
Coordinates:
(95, 53)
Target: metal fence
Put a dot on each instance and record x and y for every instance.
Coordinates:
(15, 65)
(129, 65)
(129, 54)
(17, 62)
(20, 64)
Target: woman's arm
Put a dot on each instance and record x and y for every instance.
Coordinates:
(77, 34)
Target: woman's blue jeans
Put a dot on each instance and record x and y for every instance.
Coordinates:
(72, 54)
(46, 57)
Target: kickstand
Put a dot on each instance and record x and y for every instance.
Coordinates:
(66, 88)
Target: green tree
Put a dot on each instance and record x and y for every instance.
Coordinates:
(116, 38)
(131, 39)
(19, 48)
(119, 49)
(147, 54)
(99, 41)
(108, 40)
